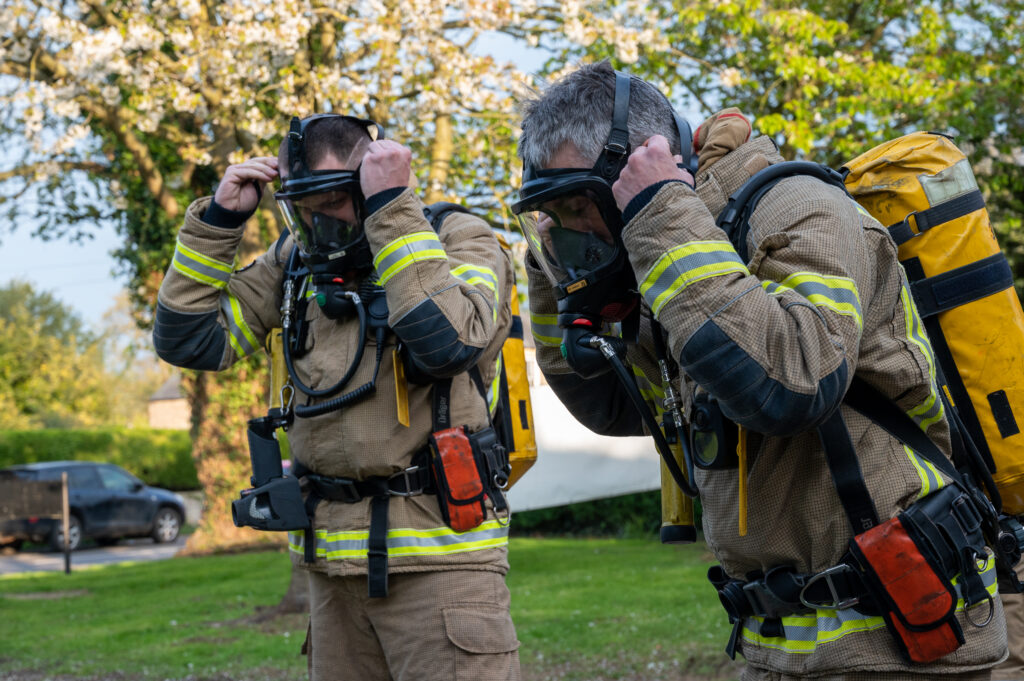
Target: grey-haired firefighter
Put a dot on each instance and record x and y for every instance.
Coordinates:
(391, 334)
(639, 300)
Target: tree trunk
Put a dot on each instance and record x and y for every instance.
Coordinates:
(440, 158)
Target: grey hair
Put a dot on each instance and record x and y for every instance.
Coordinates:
(578, 109)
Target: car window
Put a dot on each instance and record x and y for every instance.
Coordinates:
(49, 474)
(84, 477)
(117, 480)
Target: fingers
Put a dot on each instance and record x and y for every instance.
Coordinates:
(262, 169)
(386, 165)
(239, 188)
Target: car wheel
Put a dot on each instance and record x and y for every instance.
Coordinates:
(166, 526)
(74, 534)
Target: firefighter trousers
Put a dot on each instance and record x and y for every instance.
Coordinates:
(444, 626)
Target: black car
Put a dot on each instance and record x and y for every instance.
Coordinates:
(106, 503)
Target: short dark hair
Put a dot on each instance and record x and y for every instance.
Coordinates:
(578, 109)
(338, 135)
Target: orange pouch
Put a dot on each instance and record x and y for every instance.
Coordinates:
(918, 601)
(460, 489)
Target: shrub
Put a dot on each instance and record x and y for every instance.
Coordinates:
(162, 458)
(628, 516)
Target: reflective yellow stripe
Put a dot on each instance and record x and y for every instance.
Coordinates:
(476, 275)
(545, 330)
(198, 267)
(683, 265)
(241, 337)
(931, 410)
(495, 388)
(404, 251)
(931, 479)
(405, 542)
(838, 294)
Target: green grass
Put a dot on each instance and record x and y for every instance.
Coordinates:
(584, 609)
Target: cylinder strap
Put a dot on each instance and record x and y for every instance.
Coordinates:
(962, 285)
(936, 215)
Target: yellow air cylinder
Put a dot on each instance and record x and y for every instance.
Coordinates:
(922, 187)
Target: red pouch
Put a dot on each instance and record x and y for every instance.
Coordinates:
(918, 600)
(460, 489)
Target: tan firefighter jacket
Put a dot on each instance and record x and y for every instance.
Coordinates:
(448, 297)
(778, 340)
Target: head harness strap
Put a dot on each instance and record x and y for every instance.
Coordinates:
(616, 149)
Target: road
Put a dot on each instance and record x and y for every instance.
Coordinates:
(128, 550)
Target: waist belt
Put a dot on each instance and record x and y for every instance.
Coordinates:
(948, 521)
(782, 591)
(412, 481)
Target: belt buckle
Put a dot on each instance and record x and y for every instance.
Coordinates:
(827, 575)
(406, 474)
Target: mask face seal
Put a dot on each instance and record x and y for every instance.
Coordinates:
(323, 209)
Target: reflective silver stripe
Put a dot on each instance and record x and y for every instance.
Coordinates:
(931, 480)
(651, 391)
(405, 250)
(199, 267)
(838, 294)
(683, 265)
(545, 329)
(475, 275)
(406, 542)
(241, 337)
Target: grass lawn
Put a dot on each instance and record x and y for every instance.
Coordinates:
(584, 609)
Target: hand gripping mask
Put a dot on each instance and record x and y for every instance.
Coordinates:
(574, 228)
(323, 208)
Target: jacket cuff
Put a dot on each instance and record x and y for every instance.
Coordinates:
(218, 216)
(640, 201)
(401, 216)
(381, 199)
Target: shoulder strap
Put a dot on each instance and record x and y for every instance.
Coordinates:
(735, 217)
(438, 212)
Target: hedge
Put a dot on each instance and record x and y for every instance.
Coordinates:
(629, 516)
(162, 458)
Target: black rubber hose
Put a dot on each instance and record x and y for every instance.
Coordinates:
(652, 425)
(348, 374)
(360, 393)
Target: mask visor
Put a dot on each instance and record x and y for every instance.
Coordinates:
(324, 225)
(569, 235)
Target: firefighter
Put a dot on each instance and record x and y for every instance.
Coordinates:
(626, 262)
(395, 592)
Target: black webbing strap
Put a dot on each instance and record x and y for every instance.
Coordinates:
(441, 410)
(962, 285)
(616, 149)
(870, 402)
(309, 534)
(936, 215)
(846, 474)
(377, 548)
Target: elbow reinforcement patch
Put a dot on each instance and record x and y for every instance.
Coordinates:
(192, 341)
(433, 342)
(745, 391)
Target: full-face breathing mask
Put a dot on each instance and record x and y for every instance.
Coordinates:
(323, 209)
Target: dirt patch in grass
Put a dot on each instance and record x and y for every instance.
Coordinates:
(251, 675)
(633, 667)
(46, 595)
